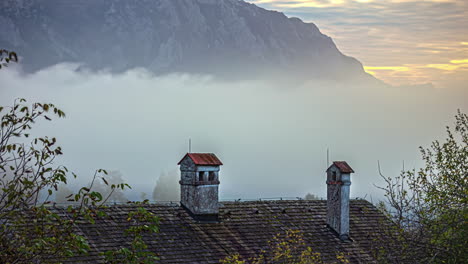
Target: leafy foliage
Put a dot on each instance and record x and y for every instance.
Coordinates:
(31, 227)
(430, 207)
(112, 178)
(7, 57)
(141, 222)
(288, 247)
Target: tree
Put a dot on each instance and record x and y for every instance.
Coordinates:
(32, 229)
(167, 187)
(311, 196)
(29, 228)
(430, 206)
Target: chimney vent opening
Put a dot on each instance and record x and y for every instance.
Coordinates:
(200, 176)
(211, 176)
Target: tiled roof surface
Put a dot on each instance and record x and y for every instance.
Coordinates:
(343, 166)
(207, 159)
(244, 228)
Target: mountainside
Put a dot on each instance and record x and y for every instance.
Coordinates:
(222, 37)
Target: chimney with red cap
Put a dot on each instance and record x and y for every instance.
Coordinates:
(199, 185)
(338, 185)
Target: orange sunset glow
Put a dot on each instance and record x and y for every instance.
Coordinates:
(402, 42)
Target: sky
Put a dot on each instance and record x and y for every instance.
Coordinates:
(403, 42)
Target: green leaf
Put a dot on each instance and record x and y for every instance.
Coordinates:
(105, 181)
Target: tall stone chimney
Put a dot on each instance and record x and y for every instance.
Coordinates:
(338, 185)
(199, 184)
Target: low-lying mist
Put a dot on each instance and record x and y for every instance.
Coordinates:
(271, 135)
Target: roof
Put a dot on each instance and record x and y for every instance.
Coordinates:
(342, 166)
(207, 159)
(244, 228)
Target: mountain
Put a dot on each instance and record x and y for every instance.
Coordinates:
(228, 38)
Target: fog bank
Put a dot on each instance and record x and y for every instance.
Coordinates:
(272, 136)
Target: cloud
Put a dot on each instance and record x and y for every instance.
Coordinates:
(446, 67)
(271, 136)
(391, 68)
(459, 61)
(421, 72)
(373, 69)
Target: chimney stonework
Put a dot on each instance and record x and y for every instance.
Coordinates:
(338, 189)
(199, 185)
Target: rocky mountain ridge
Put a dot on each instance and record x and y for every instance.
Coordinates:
(229, 38)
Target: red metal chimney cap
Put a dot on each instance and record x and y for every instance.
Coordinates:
(342, 166)
(207, 159)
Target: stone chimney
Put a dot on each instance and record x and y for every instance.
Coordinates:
(338, 184)
(199, 184)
